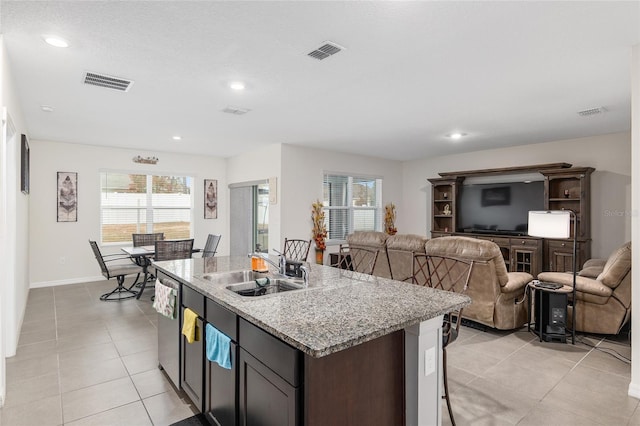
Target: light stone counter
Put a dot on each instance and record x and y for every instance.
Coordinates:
(340, 309)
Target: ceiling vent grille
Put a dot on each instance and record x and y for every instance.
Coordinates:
(107, 81)
(235, 110)
(591, 111)
(327, 49)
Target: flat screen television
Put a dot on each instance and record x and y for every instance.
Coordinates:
(498, 208)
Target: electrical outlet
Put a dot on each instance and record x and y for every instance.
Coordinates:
(63, 260)
(429, 361)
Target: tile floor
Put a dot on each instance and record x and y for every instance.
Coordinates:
(85, 362)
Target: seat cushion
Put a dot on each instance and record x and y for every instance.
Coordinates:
(124, 269)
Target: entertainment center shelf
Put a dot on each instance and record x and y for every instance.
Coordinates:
(565, 188)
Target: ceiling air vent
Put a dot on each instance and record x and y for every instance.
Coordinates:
(107, 81)
(591, 111)
(235, 110)
(327, 49)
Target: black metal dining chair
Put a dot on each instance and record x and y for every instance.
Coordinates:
(296, 249)
(211, 245)
(140, 240)
(173, 249)
(358, 259)
(119, 271)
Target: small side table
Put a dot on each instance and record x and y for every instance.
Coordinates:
(551, 312)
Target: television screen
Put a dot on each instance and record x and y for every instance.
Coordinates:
(498, 208)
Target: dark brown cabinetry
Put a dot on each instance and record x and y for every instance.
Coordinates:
(565, 188)
(270, 377)
(192, 354)
(569, 189)
(221, 384)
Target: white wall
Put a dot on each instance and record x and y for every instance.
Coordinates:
(610, 155)
(302, 175)
(634, 386)
(14, 229)
(60, 252)
(260, 164)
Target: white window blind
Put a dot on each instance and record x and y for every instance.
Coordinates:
(351, 204)
(136, 203)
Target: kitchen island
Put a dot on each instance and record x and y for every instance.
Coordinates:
(350, 348)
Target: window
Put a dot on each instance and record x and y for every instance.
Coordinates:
(352, 203)
(134, 203)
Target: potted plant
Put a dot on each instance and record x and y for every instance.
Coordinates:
(390, 219)
(319, 232)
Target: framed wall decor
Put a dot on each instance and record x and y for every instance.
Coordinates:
(67, 197)
(210, 199)
(24, 165)
(500, 196)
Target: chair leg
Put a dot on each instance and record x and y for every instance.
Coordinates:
(119, 291)
(446, 385)
(144, 283)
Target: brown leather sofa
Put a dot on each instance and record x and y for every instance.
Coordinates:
(498, 295)
(603, 292)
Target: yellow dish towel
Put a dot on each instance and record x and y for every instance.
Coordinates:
(190, 326)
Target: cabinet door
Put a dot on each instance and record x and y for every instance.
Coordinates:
(524, 260)
(222, 391)
(559, 255)
(265, 398)
(192, 364)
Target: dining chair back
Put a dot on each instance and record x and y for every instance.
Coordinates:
(118, 270)
(296, 249)
(174, 249)
(211, 245)
(358, 259)
(140, 240)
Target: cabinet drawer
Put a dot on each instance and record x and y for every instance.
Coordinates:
(524, 242)
(193, 300)
(498, 240)
(222, 319)
(283, 359)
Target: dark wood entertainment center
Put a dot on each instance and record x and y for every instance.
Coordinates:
(565, 187)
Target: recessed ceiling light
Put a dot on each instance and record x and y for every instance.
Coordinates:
(177, 138)
(456, 136)
(237, 85)
(56, 41)
(46, 108)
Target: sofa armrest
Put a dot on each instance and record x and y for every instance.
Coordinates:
(598, 263)
(583, 284)
(517, 281)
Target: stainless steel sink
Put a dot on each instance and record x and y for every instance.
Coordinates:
(233, 277)
(275, 285)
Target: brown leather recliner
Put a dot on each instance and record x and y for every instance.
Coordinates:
(603, 292)
(400, 250)
(497, 295)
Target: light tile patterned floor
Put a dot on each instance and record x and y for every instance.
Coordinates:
(85, 362)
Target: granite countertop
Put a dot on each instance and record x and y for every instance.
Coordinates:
(338, 310)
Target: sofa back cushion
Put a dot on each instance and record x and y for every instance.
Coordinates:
(470, 248)
(617, 267)
(400, 249)
(374, 241)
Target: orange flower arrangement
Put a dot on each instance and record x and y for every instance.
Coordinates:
(390, 219)
(319, 232)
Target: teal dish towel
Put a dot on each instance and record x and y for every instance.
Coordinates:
(218, 347)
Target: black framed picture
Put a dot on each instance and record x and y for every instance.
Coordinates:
(500, 196)
(67, 197)
(24, 165)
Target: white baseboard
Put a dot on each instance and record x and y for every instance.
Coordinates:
(634, 390)
(66, 282)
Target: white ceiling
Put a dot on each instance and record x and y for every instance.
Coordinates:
(505, 73)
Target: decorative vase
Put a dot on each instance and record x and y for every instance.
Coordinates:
(320, 256)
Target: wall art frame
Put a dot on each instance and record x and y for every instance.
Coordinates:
(210, 199)
(67, 206)
(24, 164)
